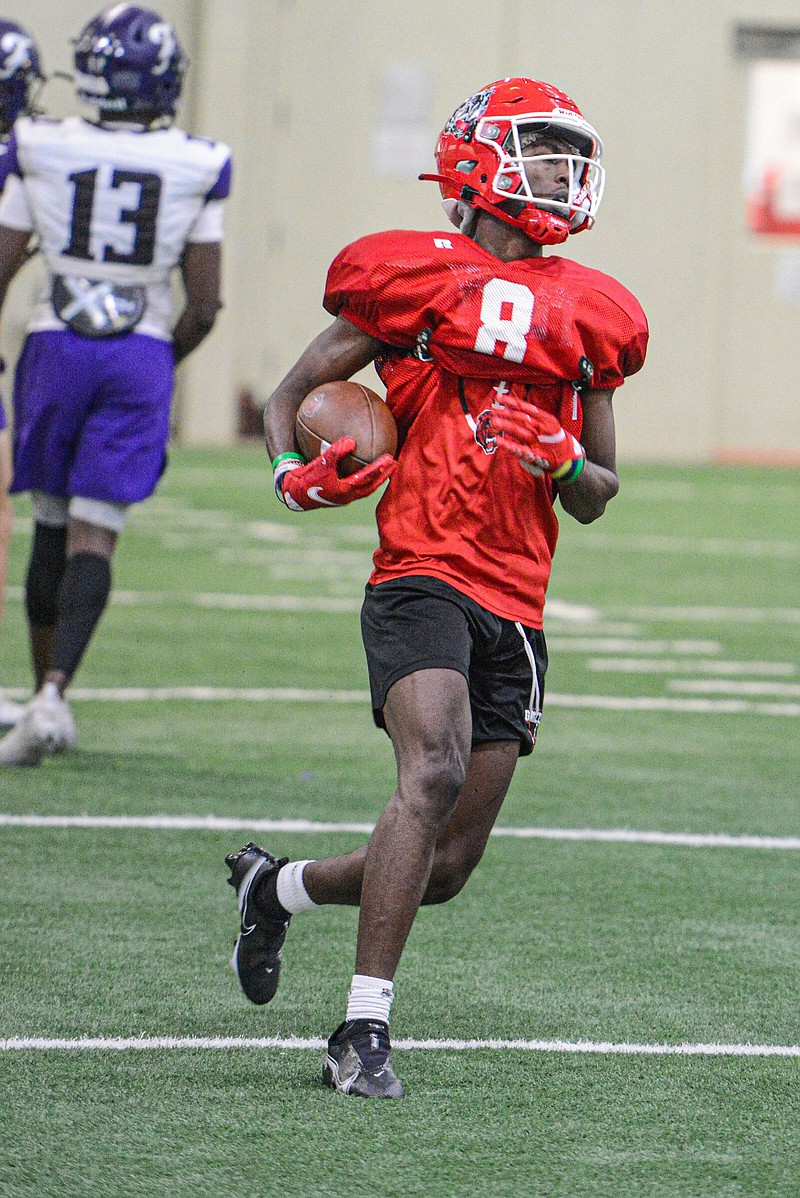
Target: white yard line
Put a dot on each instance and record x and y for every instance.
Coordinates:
(710, 615)
(603, 1047)
(203, 694)
(630, 644)
(672, 665)
(216, 823)
(718, 686)
(681, 706)
(287, 694)
(725, 547)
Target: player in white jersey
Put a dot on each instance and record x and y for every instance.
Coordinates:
(20, 79)
(118, 203)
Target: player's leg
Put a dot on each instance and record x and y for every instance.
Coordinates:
(284, 888)
(48, 560)
(118, 458)
(417, 622)
(9, 712)
(271, 890)
(69, 581)
(459, 848)
(84, 589)
(427, 715)
(52, 391)
(461, 845)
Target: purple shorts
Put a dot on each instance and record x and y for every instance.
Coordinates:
(3, 421)
(91, 418)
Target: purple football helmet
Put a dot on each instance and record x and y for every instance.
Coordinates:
(129, 63)
(20, 73)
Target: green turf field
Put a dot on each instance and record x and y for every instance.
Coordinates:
(675, 621)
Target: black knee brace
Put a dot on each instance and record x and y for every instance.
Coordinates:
(45, 571)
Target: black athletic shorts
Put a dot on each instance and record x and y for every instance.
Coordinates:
(421, 623)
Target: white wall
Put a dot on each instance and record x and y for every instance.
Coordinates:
(295, 87)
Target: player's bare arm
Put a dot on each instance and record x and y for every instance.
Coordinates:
(13, 252)
(201, 269)
(338, 352)
(586, 498)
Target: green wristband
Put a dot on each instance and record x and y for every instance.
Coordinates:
(289, 456)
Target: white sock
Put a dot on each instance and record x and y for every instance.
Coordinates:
(292, 894)
(370, 998)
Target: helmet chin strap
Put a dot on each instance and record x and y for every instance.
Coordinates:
(543, 227)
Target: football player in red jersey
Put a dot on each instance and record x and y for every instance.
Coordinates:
(499, 364)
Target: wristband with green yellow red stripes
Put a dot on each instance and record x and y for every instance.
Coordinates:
(570, 472)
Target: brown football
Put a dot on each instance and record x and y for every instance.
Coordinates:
(345, 409)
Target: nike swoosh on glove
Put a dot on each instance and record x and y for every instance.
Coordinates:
(306, 485)
(538, 440)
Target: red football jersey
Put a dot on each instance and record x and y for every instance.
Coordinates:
(462, 329)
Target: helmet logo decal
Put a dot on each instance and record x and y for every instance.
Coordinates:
(163, 36)
(15, 53)
(468, 113)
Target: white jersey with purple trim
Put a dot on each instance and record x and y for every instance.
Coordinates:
(114, 205)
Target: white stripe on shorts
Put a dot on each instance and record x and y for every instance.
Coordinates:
(533, 713)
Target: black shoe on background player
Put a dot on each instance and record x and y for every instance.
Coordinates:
(359, 1061)
(256, 959)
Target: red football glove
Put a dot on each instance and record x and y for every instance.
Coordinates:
(538, 440)
(306, 485)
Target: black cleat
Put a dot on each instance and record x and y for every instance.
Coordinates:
(359, 1061)
(256, 959)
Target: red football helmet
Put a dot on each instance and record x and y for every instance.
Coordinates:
(483, 150)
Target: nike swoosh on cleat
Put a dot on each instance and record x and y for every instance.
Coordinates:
(245, 893)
